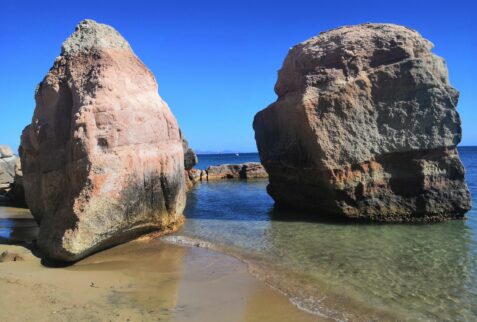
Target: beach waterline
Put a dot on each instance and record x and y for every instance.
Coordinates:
(344, 271)
(143, 280)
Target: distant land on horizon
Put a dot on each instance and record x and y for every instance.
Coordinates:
(199, 152)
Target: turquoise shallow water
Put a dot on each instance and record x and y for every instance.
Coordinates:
(345, 271)
(407, 272)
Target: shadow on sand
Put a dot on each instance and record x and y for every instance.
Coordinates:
(17, 227)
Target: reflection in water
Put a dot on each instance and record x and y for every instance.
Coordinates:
(408, 271)
(17, 225)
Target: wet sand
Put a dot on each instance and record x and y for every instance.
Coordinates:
(144, 280)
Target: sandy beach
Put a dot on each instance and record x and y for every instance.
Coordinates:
(144, 280)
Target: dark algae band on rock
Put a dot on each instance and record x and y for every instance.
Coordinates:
(102, 160)
(365, 127)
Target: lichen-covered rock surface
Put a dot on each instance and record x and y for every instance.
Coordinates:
(365, 127)
(102, 159)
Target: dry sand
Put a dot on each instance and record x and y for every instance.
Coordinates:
(144, 280)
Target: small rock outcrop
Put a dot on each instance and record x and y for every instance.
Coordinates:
(190, 160)
(7, 168)
(8, 256)
(223, 171)
(16, 194)
(248, 170)
(102, 159)
(365, 127)
(253, 170)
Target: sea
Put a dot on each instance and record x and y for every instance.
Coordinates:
(418, 272)
(345, 272)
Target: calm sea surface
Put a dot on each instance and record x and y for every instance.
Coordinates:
(344, 271)
(411, 272)
(206, 160)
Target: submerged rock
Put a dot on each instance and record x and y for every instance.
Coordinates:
(102, 159)
(248, 170)
(366, 127)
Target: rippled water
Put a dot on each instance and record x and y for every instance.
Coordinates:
(346, 271)
(412, 272)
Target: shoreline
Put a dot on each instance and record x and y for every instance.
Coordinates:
(185, 241)
(145, 279)
(337, 307)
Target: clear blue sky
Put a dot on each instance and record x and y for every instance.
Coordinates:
(216, 62)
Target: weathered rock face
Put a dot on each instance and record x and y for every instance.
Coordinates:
(223, 171)
(102, 159)
(253, 170)
(247, 170)
(7, 168)
(365, 126)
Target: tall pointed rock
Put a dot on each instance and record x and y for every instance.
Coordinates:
(102, 159)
